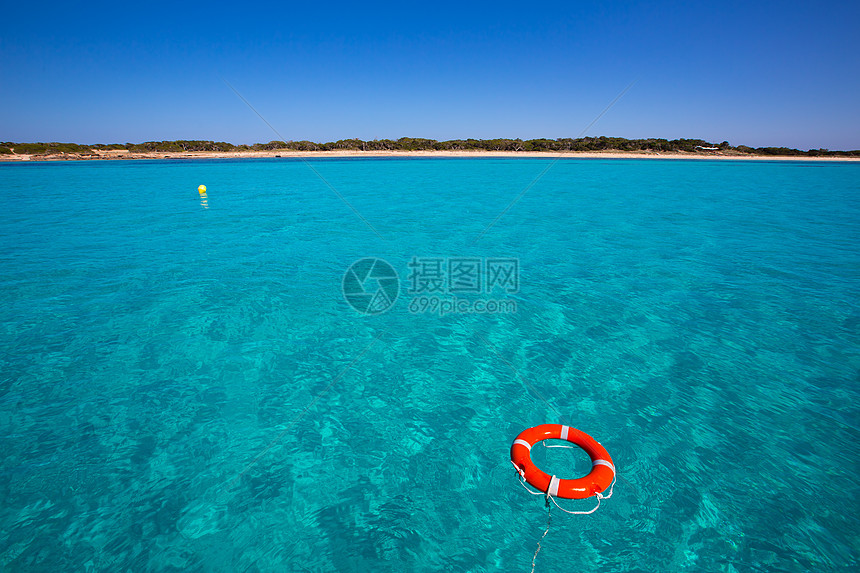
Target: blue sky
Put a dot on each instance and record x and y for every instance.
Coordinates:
(754, 73)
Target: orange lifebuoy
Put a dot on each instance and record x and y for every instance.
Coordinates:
(602, 470)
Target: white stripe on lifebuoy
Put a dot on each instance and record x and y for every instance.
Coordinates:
(553, 486)
(523, 443)
(564, 431)
(603, 463)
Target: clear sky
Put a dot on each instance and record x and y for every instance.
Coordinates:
(753, 73)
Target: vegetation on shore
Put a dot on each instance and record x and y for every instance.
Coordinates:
(419, 144)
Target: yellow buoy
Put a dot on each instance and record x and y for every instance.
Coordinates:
(201, 189)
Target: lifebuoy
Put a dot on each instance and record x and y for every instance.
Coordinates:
(602, 470)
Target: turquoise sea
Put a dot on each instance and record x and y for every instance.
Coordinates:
(184, 387)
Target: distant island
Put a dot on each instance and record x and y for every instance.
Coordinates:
(408, 146)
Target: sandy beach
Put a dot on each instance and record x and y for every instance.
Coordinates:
(125, 155)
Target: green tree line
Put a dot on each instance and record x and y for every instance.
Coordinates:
(420, 144)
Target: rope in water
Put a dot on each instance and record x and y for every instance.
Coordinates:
(550, 498)
(548, 521)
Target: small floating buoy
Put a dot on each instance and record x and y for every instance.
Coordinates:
(202, 189)
(601, 477)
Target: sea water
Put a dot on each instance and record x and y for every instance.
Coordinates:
(185, 387)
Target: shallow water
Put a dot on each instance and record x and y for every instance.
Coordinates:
(184, 387)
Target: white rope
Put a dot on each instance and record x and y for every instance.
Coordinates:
(611, 487)
(548, 521)
(548, 498)
(598, 495)
(589, 512)
(522, 475)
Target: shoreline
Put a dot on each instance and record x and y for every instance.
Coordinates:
(115, 155)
